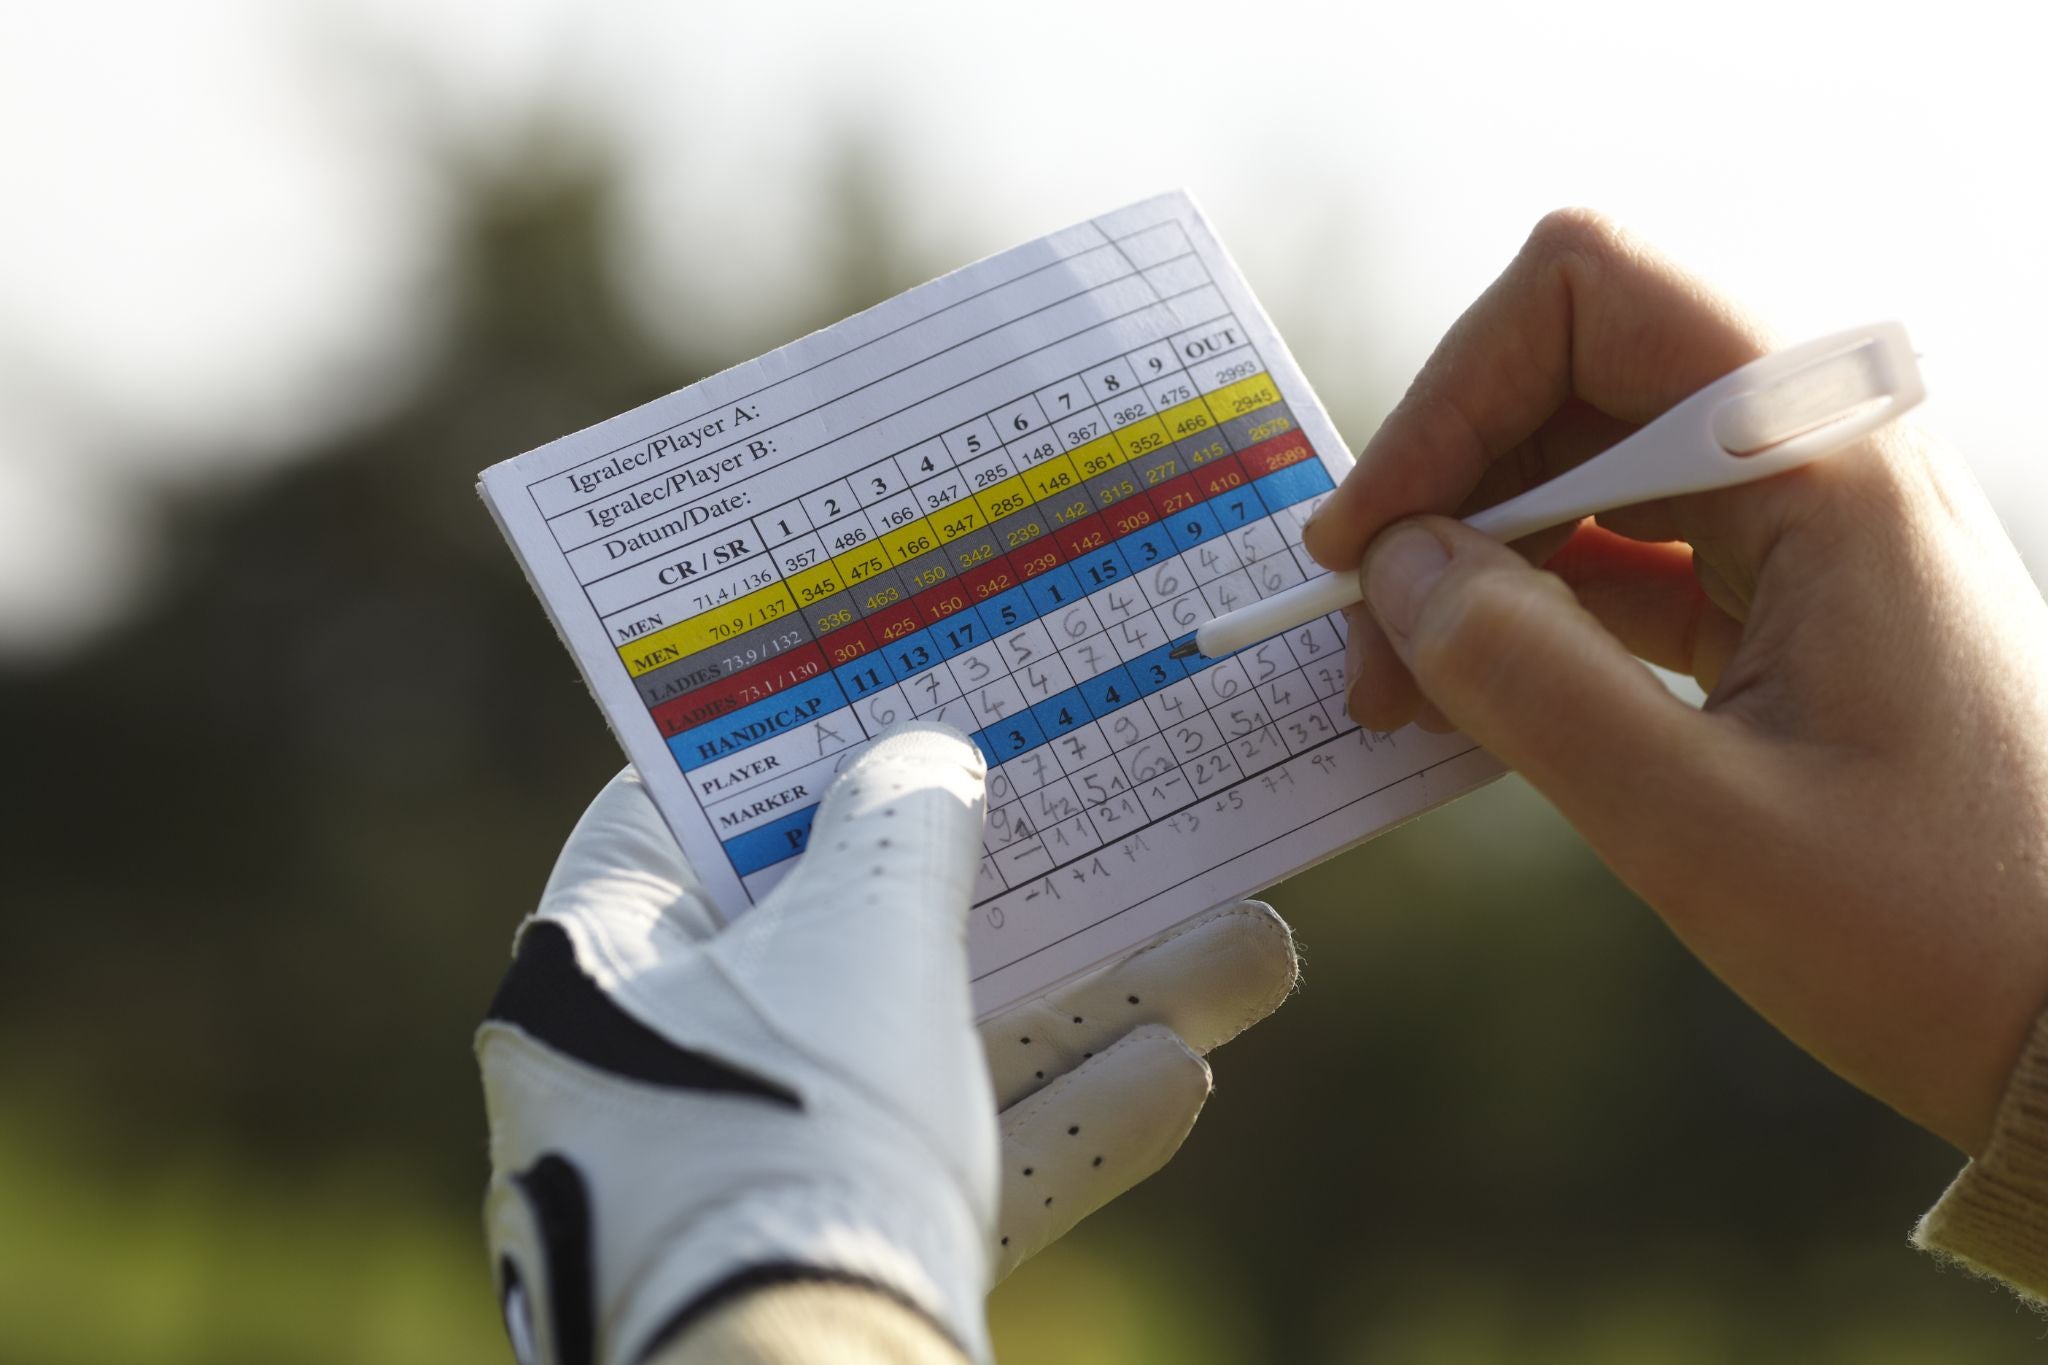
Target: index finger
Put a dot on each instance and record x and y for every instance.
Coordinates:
(1584, 310)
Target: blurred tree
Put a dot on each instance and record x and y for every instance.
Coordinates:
(277, 829)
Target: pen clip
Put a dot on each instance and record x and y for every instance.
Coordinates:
(1784, 410)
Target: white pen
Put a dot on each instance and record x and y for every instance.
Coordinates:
(1780, 412)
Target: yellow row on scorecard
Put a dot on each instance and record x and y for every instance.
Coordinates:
(899, 546)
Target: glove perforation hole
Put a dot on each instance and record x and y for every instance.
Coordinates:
(1039, 1075)
(1097, 1161)
(1132, 998)
(1027, 1172)
(1006, 1241)
(1025, 1041)
(1074, 1130)
(1077, 1018)
(1048, 1201)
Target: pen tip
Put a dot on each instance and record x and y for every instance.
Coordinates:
(1185, 649)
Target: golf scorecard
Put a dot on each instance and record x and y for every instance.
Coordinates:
(995, 501)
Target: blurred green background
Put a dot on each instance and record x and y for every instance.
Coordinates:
(267, 840)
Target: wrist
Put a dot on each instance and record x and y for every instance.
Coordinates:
(928, 1255)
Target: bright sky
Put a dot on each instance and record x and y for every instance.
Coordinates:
(216, 239)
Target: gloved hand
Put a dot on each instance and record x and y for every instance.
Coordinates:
(681, 1112)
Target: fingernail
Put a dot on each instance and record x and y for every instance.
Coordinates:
(1310, 536)
(1355, 624)
(1399, 572)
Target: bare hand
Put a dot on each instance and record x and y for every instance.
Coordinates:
(1854, 832)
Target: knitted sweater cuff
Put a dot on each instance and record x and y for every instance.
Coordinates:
(1994, 1218)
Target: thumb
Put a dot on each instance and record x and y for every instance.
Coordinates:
(881, 893)
(861, 951)
(1507, 654)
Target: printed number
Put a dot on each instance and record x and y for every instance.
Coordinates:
(1098, 574)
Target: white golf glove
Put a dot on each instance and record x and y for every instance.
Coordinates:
(682, 1112)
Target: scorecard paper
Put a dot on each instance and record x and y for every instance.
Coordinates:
(994, 501)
